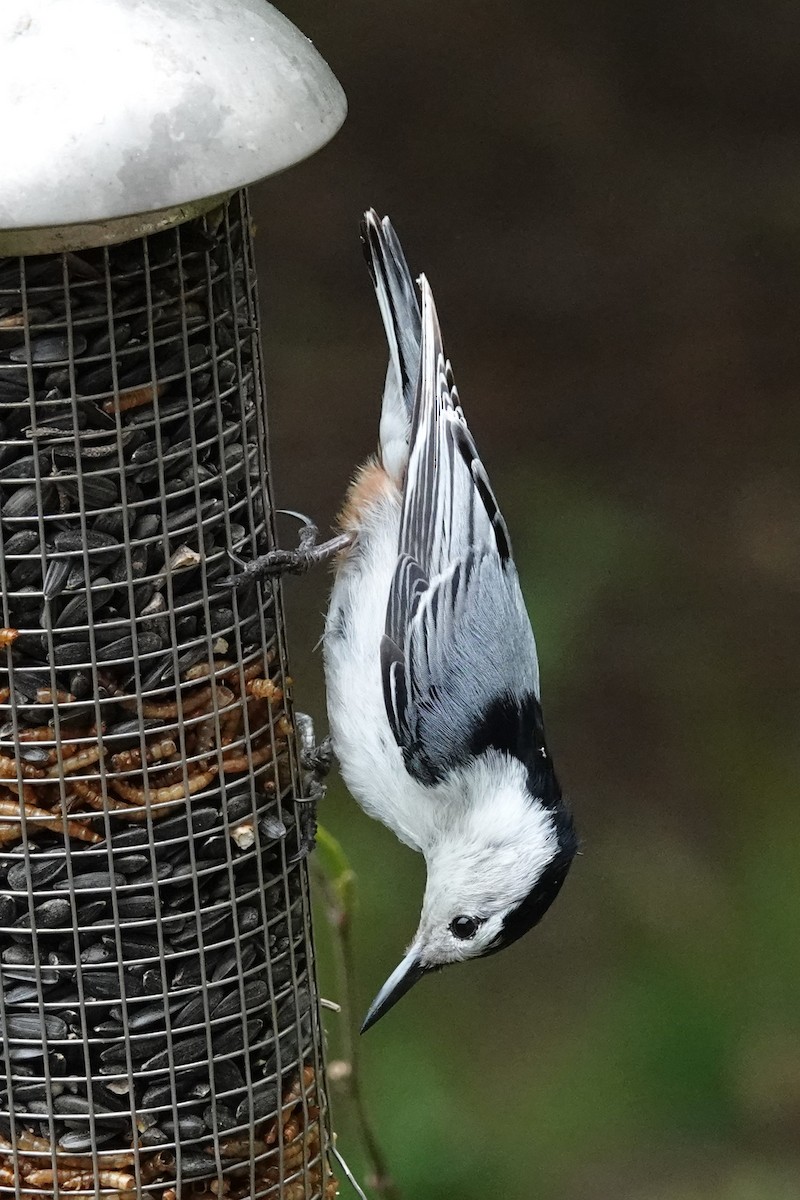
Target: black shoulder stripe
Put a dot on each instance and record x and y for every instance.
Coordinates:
(514, 726)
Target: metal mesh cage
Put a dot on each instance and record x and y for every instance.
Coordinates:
(159, 1029)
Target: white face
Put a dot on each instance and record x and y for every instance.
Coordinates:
(488, 851)
(472, 889)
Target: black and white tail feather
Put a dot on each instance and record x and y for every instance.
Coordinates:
(399, 307)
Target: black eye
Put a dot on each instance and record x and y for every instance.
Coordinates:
(464, 927)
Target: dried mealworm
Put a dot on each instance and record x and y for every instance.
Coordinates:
(40, 816)
(230, 724)
(8, 777)
(39, 733)
(240, 1147)
(202, 670)
(264, 689)
(84, 791)
(27, 1142)
(205, 737)
(165, 795)
(254, 671)
(44, 1176)
(7, 636)
(131, 760)
(8, 770)
(206, 732)
(76, 762)
(48, 696)
(63, 750)
(119, 1180)
(291, 1128)
(134, 397)
(4, 695)
(243, 762)
(162, 709)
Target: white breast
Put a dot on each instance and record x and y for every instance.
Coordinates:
(369, 757)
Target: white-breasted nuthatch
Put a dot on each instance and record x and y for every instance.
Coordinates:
(430, 660)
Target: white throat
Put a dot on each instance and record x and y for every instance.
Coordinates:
(488, 831)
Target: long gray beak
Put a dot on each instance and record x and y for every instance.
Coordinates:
(401, 980)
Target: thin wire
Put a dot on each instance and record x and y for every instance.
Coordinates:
(348, 1174)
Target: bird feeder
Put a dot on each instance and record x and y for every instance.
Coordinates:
(159, 1028)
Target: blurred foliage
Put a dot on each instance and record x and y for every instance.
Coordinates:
(605, 198)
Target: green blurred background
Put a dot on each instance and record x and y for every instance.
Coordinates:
(606, 198)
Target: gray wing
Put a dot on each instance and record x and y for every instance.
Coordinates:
(458, 655)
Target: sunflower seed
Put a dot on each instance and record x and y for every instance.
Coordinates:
(138, 1047)
(52, 914)
(96, 881)
(25, 467)
(158, 1095)
(152, 1138)
(79, 1142)
(196, 1166)
(53, 1028)
(95, 954)
(135, 908)
(22, 542)
(132, 864)
(70, 1105)
(56, 577)
(103, 546)
(189, 1128)
(74, 613)
(70, 654)
(191, 1013)
(40, 874)
(231, 960)
(49, 349)
(20, 993)
(104, 985)
(264, 1104)
(225, 1117)
(24, 502)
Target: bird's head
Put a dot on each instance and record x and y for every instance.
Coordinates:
(493, 872)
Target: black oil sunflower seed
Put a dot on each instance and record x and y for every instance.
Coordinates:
(41, 874)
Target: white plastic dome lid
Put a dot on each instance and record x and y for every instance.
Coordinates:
(112, 108)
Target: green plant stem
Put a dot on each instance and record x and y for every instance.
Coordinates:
(339, 886)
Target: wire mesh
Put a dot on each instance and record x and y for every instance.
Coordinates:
(160, 1033)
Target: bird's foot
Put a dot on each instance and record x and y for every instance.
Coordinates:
(316, 758)
(276, 562)
(315, 764)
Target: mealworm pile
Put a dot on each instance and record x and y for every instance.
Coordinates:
(157, 1017)
(219, 722)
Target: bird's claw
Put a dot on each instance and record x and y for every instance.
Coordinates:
(315, 763)
(287, 562)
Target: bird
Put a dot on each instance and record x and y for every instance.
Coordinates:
(430, 661)
(431, 669)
